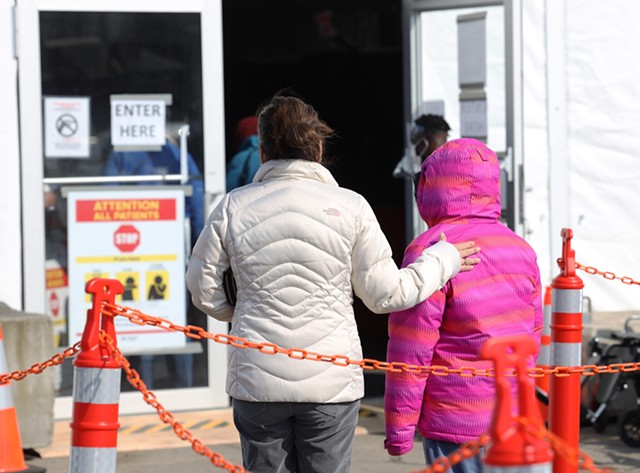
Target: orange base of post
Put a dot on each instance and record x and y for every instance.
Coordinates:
(564, 417)
(544, 384)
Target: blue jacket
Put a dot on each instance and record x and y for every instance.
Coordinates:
(244, 165)
(165, 161)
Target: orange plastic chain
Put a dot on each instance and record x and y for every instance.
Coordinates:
(198, 333)
(40, 367)
(575, 457)
(167, 417)
(606, 274)
(466, 451)
(470, 449)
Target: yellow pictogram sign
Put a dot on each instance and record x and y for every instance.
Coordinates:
(157, 285)
(131, 282)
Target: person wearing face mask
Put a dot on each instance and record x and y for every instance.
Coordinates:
(429, 133)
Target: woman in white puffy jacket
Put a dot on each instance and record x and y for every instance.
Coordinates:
(299, 247)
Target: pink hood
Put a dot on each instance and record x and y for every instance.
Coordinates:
(459, 182)
(459, 194)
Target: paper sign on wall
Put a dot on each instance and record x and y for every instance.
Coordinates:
(472, 49)
(473, 118)
(66, 127)
(136, 237)
(138, 122)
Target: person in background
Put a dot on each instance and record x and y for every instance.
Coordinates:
(163, 162)
(55, 224)
(300, 246)
(245, 163)
(429, 133)
(458, 194)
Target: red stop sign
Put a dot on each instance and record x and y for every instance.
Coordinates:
(54, 304)
(126, 238)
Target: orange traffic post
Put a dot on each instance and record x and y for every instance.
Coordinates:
(514, 448)
(544, 357)
(566, 351)
(11, 456)
(96, 388)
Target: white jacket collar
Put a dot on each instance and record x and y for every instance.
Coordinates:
(294, 169)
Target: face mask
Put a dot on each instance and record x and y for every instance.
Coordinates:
(416, 181)
(421, 149)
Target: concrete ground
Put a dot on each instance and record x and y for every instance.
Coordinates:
(145, 445)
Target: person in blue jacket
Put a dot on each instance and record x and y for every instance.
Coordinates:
(245, 163)
(165, 161)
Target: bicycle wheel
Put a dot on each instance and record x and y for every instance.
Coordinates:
(629, 427)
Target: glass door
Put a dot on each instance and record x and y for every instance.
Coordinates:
(121, 106)
(462, 63)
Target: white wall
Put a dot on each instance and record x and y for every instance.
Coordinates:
(536, 152)
(439, 48)
(10, 232)
(581, 103)
(602, 68)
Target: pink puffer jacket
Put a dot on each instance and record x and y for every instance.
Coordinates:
(459, 194)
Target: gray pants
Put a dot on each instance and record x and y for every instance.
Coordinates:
(292, 437)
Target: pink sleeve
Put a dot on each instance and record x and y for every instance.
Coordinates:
(538, 316)
(413, 334)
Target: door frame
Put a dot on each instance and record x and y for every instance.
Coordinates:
(31, 143)
(514, 161)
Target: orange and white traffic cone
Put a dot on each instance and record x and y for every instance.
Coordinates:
(96, 388)
(11, 456)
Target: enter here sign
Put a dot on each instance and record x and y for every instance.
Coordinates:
(138, 122)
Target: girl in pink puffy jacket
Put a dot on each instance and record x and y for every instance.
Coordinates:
(458, 193)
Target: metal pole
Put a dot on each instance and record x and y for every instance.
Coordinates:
(184, 153)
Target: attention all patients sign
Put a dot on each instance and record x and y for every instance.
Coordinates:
(138, 238)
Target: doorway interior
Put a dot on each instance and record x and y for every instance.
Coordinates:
(345, 58)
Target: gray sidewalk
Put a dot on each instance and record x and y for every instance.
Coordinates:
(162, 452)
(156, 456)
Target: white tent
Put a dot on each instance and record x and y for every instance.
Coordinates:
(582, 134)
(580, 95)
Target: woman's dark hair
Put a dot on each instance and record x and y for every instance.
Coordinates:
(289, 128)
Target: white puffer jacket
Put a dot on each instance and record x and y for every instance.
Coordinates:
(299, 246)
